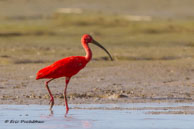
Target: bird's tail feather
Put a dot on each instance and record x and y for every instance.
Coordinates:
(42, 73)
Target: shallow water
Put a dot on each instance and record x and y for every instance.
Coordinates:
(98, 116)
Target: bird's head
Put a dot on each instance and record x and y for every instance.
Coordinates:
(86, 38)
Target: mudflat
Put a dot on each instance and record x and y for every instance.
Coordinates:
(153, 50)
(117, 82)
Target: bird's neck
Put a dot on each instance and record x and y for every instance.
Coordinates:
(87, 50)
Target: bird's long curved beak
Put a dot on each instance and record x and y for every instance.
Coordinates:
(99, 45)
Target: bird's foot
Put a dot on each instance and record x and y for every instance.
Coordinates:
(51, 103)
(67, 110)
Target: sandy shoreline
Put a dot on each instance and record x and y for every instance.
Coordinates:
(117, 82)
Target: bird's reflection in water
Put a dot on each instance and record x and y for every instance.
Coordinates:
(86, 124)
(51, 113)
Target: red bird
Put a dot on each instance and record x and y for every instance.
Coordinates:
(67, 67)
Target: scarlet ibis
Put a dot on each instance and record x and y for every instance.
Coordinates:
(68, 67)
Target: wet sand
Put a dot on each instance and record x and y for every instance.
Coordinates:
(115, 82)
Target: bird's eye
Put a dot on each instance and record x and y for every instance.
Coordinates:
(87, 39)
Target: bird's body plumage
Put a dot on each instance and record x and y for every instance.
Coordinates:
(66, 67)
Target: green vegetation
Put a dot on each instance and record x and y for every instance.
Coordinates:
(45, 40)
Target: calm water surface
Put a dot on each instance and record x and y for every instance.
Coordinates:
(97, 116)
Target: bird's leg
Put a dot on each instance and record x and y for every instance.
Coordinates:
(51, 96)
(65, 95)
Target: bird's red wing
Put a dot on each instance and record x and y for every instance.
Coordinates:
(65, 67)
